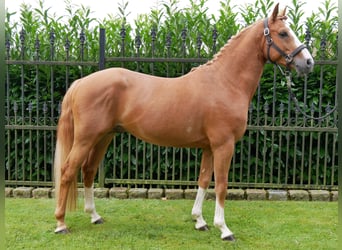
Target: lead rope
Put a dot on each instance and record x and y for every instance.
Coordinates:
(289, 84)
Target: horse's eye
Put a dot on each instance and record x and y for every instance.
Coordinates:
(283, 34)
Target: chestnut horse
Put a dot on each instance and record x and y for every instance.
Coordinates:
(206, 108)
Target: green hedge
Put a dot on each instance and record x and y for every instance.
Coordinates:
(174, 32)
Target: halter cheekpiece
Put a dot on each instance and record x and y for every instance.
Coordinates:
(270, 43)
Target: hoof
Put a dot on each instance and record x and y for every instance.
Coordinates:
(99, 221)
(204, 228)
(230, 238)
(63, 231)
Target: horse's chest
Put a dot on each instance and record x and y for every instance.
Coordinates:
(230, 118)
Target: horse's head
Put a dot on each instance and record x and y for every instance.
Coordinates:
(283, 46)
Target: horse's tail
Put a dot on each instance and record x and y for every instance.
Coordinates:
(65, 138)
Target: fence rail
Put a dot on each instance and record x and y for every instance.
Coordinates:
(281, 148)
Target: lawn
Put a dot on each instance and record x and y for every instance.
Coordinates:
(158, 224)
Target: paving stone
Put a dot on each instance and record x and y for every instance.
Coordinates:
(174, 194)
(277, 195)
(334, 195)
(319, 195)
(53, 193)
(236, 194)
(118, 192)
(23, 192)
(211, 195)
(256, 194)
(41, 193)
(101, 193)
(8, 192)
(137, 193)
(190, 194)
(155, 193)
(80, 193)
(299, 195)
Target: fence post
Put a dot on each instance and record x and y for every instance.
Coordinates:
(339, 99)
(102, 46)
(2, 120)
(102, 43)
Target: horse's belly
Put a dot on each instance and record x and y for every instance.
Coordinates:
(170, 135)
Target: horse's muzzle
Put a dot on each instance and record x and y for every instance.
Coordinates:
(303, 65)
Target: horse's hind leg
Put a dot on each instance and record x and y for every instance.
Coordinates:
(206, 173)
(89, 170)
(69, 172)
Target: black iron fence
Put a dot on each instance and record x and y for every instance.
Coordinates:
(282, 148)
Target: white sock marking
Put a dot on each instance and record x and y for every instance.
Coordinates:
(219, 221)
(89, 204)
(197, 208)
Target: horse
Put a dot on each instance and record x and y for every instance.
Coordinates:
(206, 108)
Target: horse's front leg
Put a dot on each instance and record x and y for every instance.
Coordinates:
(206, 172)
(222, 159)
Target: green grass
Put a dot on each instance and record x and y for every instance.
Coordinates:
(157, 224)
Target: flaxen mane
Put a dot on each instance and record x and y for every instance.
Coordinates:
(281, 16)
(223, 48)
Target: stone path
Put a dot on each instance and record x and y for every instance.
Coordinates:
(174, 194)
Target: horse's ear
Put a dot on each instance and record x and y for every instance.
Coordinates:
(275, 12)
(283, 12)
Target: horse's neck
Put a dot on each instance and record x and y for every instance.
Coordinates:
(241, 61)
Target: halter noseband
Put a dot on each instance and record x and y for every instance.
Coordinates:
(270, 43)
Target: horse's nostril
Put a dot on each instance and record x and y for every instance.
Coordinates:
(309, 62)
